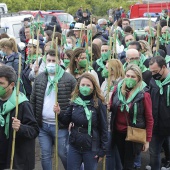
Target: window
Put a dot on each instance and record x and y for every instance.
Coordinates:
(66, 18)
(136, 24)
(40, 19)
(2, 10)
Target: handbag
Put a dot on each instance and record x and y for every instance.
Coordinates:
(134, 134)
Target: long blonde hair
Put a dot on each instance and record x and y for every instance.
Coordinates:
(117, 67)
(97, 94)
(138, 73)
(147, 47)
(10, 43)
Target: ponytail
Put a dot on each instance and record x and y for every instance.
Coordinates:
(13, 45)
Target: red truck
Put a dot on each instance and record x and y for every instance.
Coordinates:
(138, 10)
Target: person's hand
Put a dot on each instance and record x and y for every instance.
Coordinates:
(36, 68)
(56, 108)
(70, 126)
(145, 147)
(100, 158)
(16, 123)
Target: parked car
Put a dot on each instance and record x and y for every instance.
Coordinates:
(138, 24)
(64, 19)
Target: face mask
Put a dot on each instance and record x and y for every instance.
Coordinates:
(83, 63)
(66, 62)
(127, 43)
(2, 91)
(3, 54)
(51, 68)
(104, 27)
(105, 56)
(84, 90)
(157, 76)
(68, 46)
(136, 62)
(164, 36)
(130, 83)
(105, 73)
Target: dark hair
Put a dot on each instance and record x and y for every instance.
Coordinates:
(69, 53)
(52, 53)
(58, 34)
(119, 22)
(49, 33)
(159, 60)
(70, 33)
(128, 29)
(96, 52)
(126, 19)
(163, 23)
(9, 73)
(138, 46)
(4, 35)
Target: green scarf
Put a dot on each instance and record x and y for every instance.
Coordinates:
(161, 84)
(31, 58)
(125, 102)
(8, 106)
(167, 58)
(100, 64)
(57, 77)
(80, 102)
(77, 71)
(142, 58)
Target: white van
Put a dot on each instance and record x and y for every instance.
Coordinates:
(3, 8)
(12, 25)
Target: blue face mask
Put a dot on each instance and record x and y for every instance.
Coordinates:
(68, 46)
(3, 54)
(51, 68)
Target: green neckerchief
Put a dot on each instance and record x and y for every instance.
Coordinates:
(80, 102)
(167, 58)
(8, 106)
(142, 58)
(142, 67)
(31, 58)
(161, 84)
(124, 102)
(57, 77)
(125, 65)
(100, 64)
(78, 72)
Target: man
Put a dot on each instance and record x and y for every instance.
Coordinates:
(74, 22)
(164, 16)
(165, 36)
(100, 63)
(22, 30)
(160, 95)
(79, 12)
(25, 124)
(85, 19)
(79, 31)
(43, 98)
(133, 57)
(96, 34)
(110, 21)
(125, 22)
(101, 27)
(98, 42)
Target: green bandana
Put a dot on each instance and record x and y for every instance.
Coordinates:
(9, 105)
(122, 99)
(100, 64)
(142, 58)
(77, 71)
(31, 58)
(167, 58)
(80, 102)
(161, 84)
(53, 82)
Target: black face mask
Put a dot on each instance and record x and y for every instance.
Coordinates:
(157, 76)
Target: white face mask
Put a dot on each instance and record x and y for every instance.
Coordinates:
(51, 68)
(68, 46)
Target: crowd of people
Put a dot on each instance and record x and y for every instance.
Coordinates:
(108, 79)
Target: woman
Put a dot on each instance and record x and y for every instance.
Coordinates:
(115, 68)
(70, 43)
(87, 112)
(67, 57)
(96, 52)
(47, 36)
(79, 64)
(129, 97)
(10, 52)
(146, 49)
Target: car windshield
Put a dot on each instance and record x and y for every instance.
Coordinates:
(140, 24)
(66, 18)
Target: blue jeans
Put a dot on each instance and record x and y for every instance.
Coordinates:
(112, 156)
(155, 149)
(76, 157)
(47, 140)
(137, 162)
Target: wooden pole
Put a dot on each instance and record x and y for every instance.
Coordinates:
(16, 113)
(37, 49)
(56, 116)
(158, 34)
(53, 37)
(115, 36)
(91, 50)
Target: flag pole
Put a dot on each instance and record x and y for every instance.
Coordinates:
(91, 50)
(16, 113)
(56, 116)
(53, 37)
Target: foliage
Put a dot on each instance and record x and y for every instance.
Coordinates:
(97, 7)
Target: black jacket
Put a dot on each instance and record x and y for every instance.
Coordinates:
(160, 110)
(22, 35)
(24, 158)
(79, 137)
(85, 20)
(147, 75)
(100, 36)
(65, 87)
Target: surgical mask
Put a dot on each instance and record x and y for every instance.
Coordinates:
(136, 62)
(3, 54)
(105, 73)
(66, 62)
(105, 55)
(2, 91)
(130, 83)
(84, 90)
(68, 46)
(83, 63)
(157, 76)
(51, 68)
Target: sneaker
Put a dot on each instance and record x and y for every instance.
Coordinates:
(148, 167)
